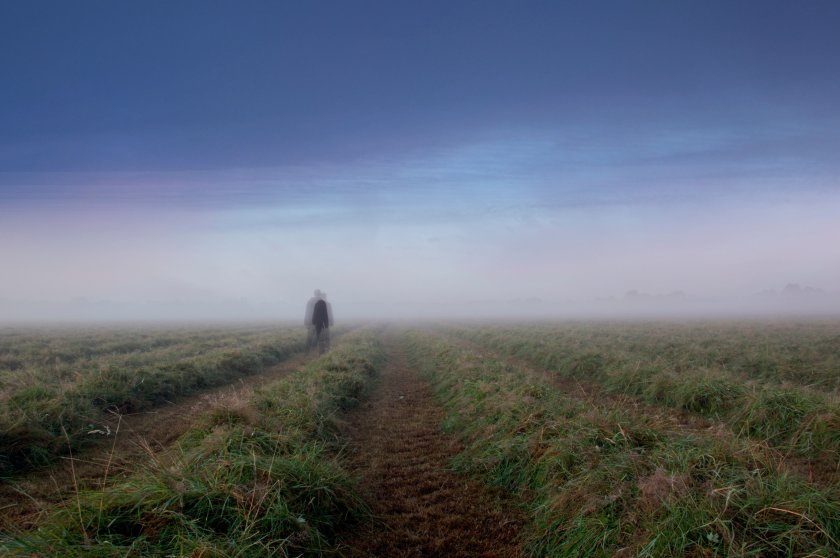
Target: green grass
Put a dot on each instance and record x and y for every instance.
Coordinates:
(789, 400)
(47, 411)
(600, 480)
(801, 354)
(259, 480)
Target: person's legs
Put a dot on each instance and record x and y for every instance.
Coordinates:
(311, 339)
(320, 333)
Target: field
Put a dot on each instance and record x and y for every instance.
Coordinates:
(542, 439)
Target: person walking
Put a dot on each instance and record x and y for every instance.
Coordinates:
(321, 322)
(311, 337)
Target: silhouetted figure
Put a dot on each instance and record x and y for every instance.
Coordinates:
(321, 324)
(311, 337)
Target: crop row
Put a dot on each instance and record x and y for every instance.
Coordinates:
(258, 478)
(41, 420)
(791, 418)
(803, 354)
(22, 348)
(600, 480)
(55, 357)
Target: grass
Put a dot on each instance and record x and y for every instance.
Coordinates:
(256, 479)
(800, 354)
(752, 472)
(47, 412)
(775, 384)
(601, 480)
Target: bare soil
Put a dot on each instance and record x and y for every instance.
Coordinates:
(24, 499)
(422, 507)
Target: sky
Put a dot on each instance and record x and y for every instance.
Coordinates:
(220, 160)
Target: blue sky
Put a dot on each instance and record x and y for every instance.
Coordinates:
(232, 156)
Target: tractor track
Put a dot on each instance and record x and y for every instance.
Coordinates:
(422, 507)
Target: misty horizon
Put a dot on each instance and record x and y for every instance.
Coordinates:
(791, 301)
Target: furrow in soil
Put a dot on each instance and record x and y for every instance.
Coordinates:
(421, 506)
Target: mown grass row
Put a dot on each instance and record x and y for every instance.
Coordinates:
(51, 348)
(258, 479)
(601, 481)
(790, 418)
(803, 354)
(46, 419)
(59, 361)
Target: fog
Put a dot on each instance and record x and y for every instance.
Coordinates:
(666, 260)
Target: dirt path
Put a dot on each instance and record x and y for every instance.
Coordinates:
(24, 499)
(423, 508)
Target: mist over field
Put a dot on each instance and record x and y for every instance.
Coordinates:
(429, 161)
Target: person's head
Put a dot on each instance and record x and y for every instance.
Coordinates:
(317, 293)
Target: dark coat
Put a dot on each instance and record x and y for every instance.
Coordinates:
(320, 316)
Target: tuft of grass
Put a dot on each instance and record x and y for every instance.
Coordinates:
(709, 393)
(802, 423)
